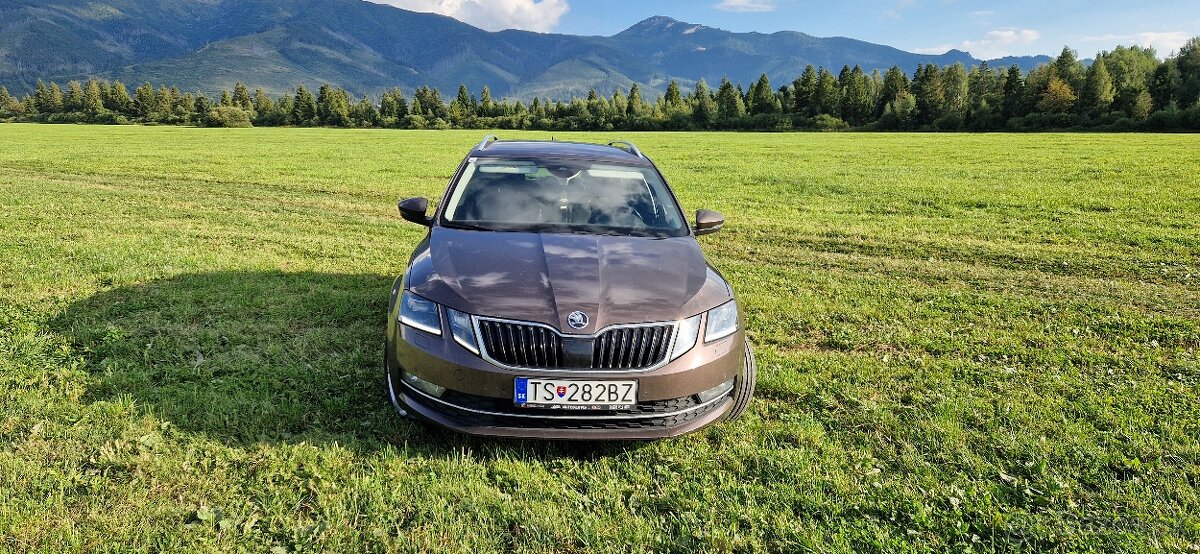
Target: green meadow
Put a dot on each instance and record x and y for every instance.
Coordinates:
(965, 343)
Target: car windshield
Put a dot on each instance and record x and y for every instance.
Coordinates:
(563, 196)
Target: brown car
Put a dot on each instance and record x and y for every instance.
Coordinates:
(560, 293)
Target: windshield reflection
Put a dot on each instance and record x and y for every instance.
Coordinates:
(563, 196)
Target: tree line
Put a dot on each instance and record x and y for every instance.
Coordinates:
(1128, 88)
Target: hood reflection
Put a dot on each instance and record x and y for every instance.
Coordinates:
(545, 277)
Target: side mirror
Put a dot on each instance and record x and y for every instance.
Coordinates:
(708, 222)
(413, 209)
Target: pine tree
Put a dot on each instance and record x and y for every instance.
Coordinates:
(304, 108)
(856, 98)
(900, 113)
(143, 100)
(594, 106)
(619, 103)
(203, 105)
(241, 97)
(262, 102)
(1014, 92)
(8, 104)
(673, 98)
(118, 99)
(1098, 93)
(187, 105)
(392, 106)
(1164, 83)
(283, 109)
(364, 114)
(805, 88)
(57, 100)
(431, 103)
(463, 102)
(165, 100)
(704, 108)
(333, 106)
(827, 97)
(73, 101)
(729, 102)
(895, 84)
(93, 99)
(487, 106)
(981, 87)
(762, 96)
(930, 93)
(1069, 69)
(226, 100)
(843, 77)
(636, 104)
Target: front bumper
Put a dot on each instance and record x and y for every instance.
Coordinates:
(479, 395)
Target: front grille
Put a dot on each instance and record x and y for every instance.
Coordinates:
(631, 347)
(533, 346)
(520, 345)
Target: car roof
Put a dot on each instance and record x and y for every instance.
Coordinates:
(558, 149)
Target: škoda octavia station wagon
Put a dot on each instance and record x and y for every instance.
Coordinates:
(560, 293)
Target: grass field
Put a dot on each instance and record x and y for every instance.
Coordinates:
(965, 342)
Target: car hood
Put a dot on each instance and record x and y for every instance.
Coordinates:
(545, 277)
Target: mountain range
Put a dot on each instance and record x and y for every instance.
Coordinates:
(208, 45)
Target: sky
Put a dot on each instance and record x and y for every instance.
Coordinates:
(986, 29)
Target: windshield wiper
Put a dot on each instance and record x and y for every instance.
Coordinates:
(468, 226)
(604, 233)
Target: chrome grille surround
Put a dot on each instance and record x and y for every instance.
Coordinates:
(528, 345)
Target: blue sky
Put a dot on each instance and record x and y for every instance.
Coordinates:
(986, 29)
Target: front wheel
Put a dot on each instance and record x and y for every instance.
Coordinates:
(743, 390)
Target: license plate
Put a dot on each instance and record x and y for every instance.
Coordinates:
(569, 394)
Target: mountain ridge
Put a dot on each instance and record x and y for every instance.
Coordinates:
(364, 47)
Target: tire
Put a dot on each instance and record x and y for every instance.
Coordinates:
(743, 391)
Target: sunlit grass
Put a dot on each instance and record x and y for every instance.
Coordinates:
(980, 342)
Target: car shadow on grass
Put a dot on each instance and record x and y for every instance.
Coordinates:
(265, 357)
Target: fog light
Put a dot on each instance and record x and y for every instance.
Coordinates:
(423, 385)
(719, 390)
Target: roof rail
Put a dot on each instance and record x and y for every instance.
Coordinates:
(626, 145)
(486, 142)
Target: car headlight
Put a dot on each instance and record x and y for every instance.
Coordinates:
(722, 321)
(685, 337)
(420, 313)
(462, 329)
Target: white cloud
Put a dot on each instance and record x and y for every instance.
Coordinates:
(994, 44)
(897, 13)
(746, 6)
(982, 17)
(494, 15)
(1164, 43)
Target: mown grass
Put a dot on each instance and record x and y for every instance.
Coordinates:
(966, 343)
